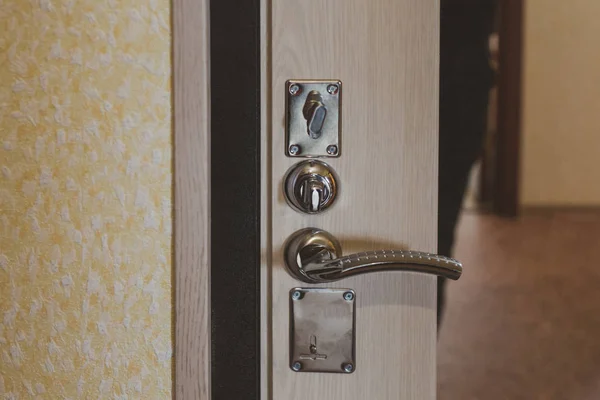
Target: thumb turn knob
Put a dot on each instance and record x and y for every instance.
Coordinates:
(311, 186)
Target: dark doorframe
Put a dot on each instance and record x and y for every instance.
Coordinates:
(505, 196)
(235, 89)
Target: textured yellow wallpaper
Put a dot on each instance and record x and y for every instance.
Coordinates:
(85, 199)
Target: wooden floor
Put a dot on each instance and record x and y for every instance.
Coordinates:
(524, 320)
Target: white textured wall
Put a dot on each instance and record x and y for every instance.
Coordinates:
(561, 119)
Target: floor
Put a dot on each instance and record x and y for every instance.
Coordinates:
(524, 320)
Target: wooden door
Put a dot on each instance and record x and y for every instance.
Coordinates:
(385, 53)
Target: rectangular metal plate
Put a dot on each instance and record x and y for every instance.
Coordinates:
(322, 330)
(329, 144)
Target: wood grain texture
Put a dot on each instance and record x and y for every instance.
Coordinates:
(386, 54)
(192, 208)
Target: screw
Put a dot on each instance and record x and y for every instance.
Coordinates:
(297, 366)
(294, 149)
(294, 89)
(348, 368)
(332, 149)
(333, 89)
(297, 295)
(348, 296)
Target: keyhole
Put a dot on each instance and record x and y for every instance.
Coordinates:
(313, 344)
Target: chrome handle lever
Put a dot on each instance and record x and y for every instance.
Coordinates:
(314, 256)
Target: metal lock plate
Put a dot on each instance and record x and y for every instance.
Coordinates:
(313, 118)
(322, 330)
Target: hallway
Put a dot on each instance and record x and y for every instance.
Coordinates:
(524, 320)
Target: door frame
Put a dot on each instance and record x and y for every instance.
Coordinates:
(500, 160)
(500, 164)
(506, 170)
(191, 203)
(217, 174)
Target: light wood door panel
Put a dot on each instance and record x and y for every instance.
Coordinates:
(386, 54)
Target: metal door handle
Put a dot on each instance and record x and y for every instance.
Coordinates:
(314, 256)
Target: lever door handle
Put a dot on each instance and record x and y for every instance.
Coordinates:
(314, 256)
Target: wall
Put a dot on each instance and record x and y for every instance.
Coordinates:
(85, 199)
(561, 131)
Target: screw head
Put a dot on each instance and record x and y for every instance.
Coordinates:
(332, 149)
(333, 89)
(294, 149)
(297, 366)
(296, 295)
(348, 296)
(348, 368)
(294, 89)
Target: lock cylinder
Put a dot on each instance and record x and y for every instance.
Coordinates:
(311, 186)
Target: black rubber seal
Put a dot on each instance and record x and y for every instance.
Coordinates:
(235, 198)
